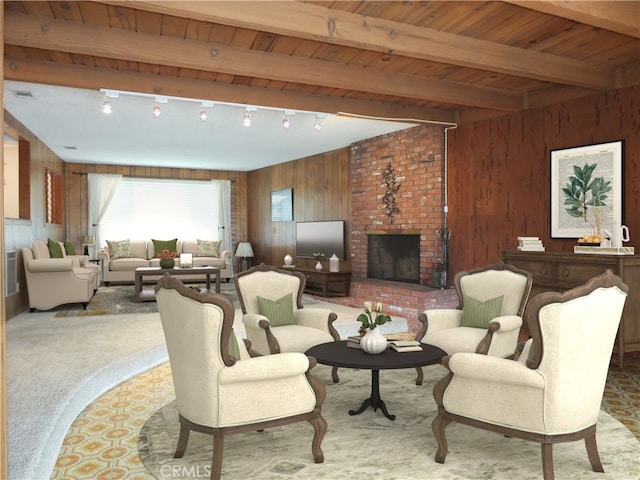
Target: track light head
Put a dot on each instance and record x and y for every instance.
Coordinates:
(246, 119)
(106, 106)
(285, 121)
(203, 114)
(156, 111)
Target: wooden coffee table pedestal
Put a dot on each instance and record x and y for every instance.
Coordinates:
(374, 401)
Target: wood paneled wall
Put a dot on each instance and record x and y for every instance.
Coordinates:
(321, 191)
(21, 233)
(498, 184)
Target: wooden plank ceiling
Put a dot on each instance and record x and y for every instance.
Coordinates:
(452, 62)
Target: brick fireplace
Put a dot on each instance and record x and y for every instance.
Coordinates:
(416, 159)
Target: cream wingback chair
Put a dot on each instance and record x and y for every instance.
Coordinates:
(555, 395)
(488, 317)
(283, 325)
(55, 281)
(219, 388)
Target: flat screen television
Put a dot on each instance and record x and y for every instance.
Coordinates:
(320, 237)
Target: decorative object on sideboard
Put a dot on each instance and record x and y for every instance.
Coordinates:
(88, 241)
(245, 251)
(288, 260)
(318, 257)
(530, 244)
(392, 185)
(334, 263)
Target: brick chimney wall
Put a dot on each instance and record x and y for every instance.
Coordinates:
(416, 156)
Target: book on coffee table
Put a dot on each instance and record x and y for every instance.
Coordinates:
(405, 345)
(354, 341)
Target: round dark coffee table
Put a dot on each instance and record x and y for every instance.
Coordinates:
(338, 354)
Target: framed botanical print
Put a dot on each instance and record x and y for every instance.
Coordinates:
(586, 189)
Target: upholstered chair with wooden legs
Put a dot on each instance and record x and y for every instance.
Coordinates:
(488, 317)
(273, 315)
(555, 394)
(221, 390)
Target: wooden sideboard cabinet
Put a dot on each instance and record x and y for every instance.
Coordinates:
(559, 271)
(325, 283)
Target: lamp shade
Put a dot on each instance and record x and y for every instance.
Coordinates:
(244, 250)
(88, 240)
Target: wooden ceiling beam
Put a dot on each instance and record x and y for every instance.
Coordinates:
(617, 16)
(95, 78)
(338, 27)
(49, 34)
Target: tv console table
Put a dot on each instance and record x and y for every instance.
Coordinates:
(326, 283)
(559, 271)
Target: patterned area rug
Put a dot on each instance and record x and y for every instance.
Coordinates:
(371, 446)
(118, 299)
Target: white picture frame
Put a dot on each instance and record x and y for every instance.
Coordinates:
(186, 260)
(598, 164)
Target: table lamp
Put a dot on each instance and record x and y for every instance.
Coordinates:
(245, 251)
(87, 241)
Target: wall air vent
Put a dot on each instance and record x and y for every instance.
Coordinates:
(23, 94)
(11, 274)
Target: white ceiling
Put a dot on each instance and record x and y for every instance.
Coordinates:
(70, 122)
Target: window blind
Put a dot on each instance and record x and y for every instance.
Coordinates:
(162, 209)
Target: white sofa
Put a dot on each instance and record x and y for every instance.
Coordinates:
(122, 269)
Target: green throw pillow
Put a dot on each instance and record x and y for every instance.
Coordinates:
(208, 248)
(234, 349)
(479, 314)
(119, 249)
(159, 245)
(69, 248)
(55, 250)
(279, 312)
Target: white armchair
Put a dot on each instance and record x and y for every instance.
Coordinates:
(554, 394)
(56, 281)
(488, 317)
(286, 327)
(219, 388)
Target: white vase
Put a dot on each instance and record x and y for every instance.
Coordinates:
(319, 266)
(288, 260)
(373, 341)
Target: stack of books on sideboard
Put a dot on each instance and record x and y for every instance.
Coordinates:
(397, 345)
(530, 244)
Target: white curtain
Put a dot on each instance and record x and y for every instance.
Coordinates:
(101, 190)
(222, 190)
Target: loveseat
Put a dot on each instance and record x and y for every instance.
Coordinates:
(120, 265)
(56, 281)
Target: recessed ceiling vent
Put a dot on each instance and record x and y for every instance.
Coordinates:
(69, 147)
(23, 94)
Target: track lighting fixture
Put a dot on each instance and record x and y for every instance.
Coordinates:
(246, 119)
(203, 114)
(156, 111)
(285, 121)
(317, 125)
(106, 105)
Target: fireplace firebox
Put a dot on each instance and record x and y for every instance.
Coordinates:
(393, 257)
